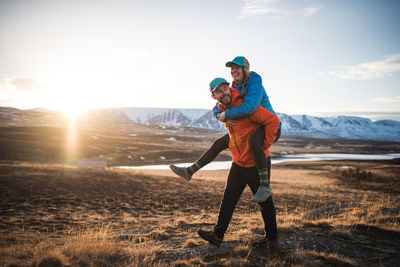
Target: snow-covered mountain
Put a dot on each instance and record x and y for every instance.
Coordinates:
(199, 118)
(348, 127)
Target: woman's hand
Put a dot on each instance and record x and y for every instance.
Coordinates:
(222, 117)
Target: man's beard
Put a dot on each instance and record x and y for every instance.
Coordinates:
(226, 100)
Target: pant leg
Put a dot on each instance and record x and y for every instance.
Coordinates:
(219, 145)
(235, 185)
(256, 141)
(267, 207)
(278, 135)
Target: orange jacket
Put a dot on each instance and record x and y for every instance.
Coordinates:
(240, 133)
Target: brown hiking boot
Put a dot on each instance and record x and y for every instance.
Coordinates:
(211, 237)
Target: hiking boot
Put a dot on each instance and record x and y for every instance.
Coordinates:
(181, 172)
(262, 194)
(210, 236)
(265, 243)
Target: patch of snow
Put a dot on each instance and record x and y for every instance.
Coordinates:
(345, 167)
(323, 147)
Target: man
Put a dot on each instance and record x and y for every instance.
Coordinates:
(249, 85)
(243, 171)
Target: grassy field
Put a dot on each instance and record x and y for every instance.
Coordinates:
(327, 216)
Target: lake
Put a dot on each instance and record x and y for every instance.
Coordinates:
(223, 165)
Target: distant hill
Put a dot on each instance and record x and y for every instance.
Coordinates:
(349, 127)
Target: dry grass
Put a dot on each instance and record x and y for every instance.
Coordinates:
(312, 258)
(190, 243)
(341, 233)
(85, 248)
(55, 216)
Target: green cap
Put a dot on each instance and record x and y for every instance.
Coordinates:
(240, 61)
(217, 82)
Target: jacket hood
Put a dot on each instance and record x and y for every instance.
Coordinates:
(254, 78)
(235, 95)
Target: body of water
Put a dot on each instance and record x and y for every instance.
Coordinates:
(223, 165)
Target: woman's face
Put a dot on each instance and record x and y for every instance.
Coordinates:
(237, 73)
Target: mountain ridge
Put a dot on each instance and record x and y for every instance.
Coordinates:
(348, 127)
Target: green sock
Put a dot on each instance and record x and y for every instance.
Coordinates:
(195, 167)
(264, 179)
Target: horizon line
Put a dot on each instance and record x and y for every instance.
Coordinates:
(373, 115)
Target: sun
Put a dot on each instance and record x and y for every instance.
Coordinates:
(72, 112)
(73, 105)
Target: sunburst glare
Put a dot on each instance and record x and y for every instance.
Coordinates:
(72, 141)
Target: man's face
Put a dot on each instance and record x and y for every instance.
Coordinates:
(237, 73)
(223, 94)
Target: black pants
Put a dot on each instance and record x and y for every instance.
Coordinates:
(255, 142)
(237, 180)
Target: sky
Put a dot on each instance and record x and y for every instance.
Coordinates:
(315, 57)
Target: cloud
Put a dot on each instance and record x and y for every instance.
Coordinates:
(6, 101)
(395, 99)
(19, 91)
(311, 10)
(8, 93)
(24, 84)
(370, 70)
(262, 7)
(272, 9)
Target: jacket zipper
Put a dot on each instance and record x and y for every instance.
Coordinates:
(237, 147)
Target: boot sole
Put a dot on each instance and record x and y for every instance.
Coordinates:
(210, 240)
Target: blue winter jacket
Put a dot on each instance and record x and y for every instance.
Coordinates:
(254, 95)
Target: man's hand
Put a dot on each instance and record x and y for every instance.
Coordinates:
(222, 117)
